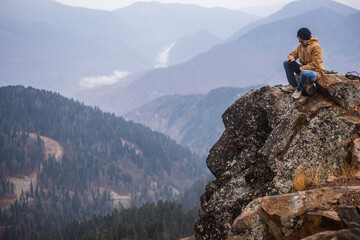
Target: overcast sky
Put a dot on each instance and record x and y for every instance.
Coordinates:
(233, 4)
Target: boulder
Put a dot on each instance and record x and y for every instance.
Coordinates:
(355, 153)
(296, 215)
(268, 137)
(340, 90)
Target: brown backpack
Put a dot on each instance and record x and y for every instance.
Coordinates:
(353, 75)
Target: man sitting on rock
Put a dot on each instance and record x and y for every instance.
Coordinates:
(311, 69)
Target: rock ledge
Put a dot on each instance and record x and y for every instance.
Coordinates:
(268, 138)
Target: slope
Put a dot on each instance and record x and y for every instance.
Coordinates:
(105, 160)
(192, 45)
(192, 120)
(100, 149)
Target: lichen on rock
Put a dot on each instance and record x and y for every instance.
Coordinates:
(268, 136)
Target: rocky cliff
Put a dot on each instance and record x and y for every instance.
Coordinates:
(274, 145)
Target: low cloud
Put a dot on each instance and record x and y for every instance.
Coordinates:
(98, 81)
(163, 57)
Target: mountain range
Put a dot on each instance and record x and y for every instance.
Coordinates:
(169, 19)
(254, 58)
(49, 45)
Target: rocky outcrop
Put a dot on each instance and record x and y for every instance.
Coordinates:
(268, 137)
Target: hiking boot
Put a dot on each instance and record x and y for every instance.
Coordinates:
(288, 88)
(296, 95)
(309, 89)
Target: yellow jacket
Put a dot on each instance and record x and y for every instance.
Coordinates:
(310, 56)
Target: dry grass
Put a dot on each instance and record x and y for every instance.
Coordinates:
(346, 170)
(306, 177)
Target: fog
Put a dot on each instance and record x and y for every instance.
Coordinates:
(98, 81)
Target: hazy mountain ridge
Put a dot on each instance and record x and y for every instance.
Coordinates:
(63, 44)
(192, 120)
(63, 49)
(192, 45)
(296, 8)
(219, 21)
(257, 55)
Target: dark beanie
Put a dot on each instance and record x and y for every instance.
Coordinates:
(304, 33)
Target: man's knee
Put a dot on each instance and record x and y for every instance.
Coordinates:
(309, 75)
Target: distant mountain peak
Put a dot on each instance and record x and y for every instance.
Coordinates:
(296, 8)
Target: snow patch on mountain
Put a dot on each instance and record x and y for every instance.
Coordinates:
(163, 58)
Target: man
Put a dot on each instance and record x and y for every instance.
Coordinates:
(311, 69)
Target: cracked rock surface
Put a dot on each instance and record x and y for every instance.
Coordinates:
(268, 136)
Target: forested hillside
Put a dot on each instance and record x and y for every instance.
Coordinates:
(162, 221)
(105, 161)
(191, 120)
